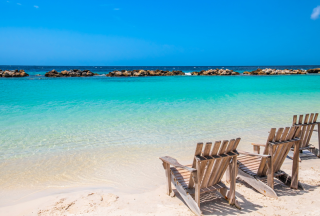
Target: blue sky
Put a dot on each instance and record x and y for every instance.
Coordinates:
(141, 32)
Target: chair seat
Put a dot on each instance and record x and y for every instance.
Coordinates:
(181, 175)
(249, 164)
(183, 178)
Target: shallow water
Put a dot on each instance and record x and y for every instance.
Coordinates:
(70, 132)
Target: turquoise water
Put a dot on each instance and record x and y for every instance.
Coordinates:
(66, 132)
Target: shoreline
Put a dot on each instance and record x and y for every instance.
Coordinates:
(106, 201)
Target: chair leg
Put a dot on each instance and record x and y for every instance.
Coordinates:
(196, 176)
(228, 179)
(270, 173)
(256, 149)
(168, 177)
(227, 194)
(232, 173)
(295, 166)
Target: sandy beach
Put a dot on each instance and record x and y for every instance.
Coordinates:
(104, 103)
(156, 202)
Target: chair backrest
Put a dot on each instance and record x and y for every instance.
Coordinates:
(280, 141)
(214, 161)
(307, 127)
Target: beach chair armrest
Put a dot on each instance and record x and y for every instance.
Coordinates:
(175, 163)
(257, 144)
(253, 154)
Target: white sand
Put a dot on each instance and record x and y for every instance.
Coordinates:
(156, 202)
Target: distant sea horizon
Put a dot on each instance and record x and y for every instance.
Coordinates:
(40, 69)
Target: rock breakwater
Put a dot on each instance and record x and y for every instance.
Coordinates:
(138, 73)
(13, 73)
(315, 70)
(71, 73)
(269, 71)
(212, 72)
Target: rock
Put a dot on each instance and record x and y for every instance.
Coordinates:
(6, 74)
(195, 73)
(118, 73)
(23, 74)
(13, 73)
(315, 70)
(247, 72)
(71, 73)
(65, 72)
(126, 73)
(144, 73)
(169, 74)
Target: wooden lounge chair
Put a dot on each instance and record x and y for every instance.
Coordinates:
(308, 125)
(205, 174)
(255, 168)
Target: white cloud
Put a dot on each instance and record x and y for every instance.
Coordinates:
(116, 8)
(36, 6)
(315, 13)
(18, 3)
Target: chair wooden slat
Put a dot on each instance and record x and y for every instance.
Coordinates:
(278, 135)
(216, 164)
(303, 130)
(266, 150)
(224, 163)
(311, 129)
(306, 130)
(203, 164)
(197, 152)
(213, 152)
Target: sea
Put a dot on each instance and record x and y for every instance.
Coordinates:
(109, 132)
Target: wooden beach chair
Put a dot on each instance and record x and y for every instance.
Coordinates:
(205, 174)
(256, 169)
(308, 125)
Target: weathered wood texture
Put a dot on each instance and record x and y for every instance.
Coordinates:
(205, 173)
(268, 165)
(307, 128)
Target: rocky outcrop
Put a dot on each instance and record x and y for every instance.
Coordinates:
(71, 73)
(217, 71)
(139, 73)
(13, 73)
(269, 71)
(315, 70)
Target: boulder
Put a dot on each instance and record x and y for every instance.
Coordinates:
(65, 72)
(315, 70)
(126, 73)
(169, 74)
(118, 73)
